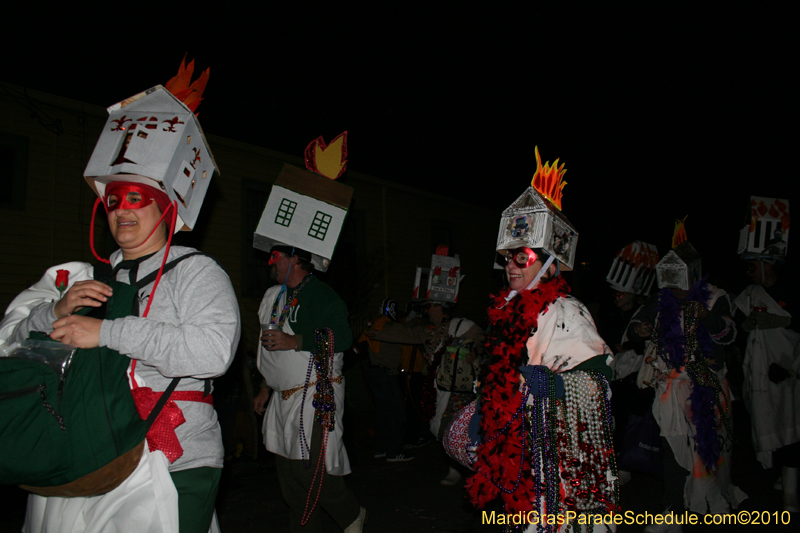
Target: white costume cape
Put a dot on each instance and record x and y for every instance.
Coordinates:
(774, 413)
(566, 336)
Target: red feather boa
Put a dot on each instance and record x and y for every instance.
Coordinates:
(499, 459)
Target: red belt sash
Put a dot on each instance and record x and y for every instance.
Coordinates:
(161, 435)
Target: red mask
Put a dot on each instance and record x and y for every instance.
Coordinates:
(274, 256)
(522, 257)
(127, 195)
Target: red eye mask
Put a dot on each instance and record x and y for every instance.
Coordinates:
(522, 257)
(127, 195)
(274, 256)
(122, 195)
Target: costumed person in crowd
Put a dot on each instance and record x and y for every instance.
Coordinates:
(631, 276)
(687, 324)
(387, 397)
(771, 365)
(304, 332)
(183, 329)
(544, 417)
(453, 347)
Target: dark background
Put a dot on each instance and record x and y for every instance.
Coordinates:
(658, 112)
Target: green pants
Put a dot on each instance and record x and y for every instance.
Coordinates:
(197, 493)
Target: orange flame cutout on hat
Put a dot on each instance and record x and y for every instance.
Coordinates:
(548, 179)
(328, 160)
(776, 209)
(179, 86)
(442, 249)
(679, 235)
(636, 255)
(650, 258)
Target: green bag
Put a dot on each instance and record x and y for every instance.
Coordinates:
(74, 437)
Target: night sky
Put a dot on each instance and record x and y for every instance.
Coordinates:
(657, 113)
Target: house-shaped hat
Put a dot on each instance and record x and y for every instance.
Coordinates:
(634, 268)
(154, 138)
(307, 208)
(680, 268)
(443, 278)
(766, 231)
(535, 219)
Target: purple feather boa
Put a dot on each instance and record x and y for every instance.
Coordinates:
(704, 418)
(702, 399)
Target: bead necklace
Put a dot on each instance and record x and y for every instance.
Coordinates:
(319, 471)
(585, 442)
(291, 301)
(544, 461)
(304, 447)
(325, 411)
(575, 434)
(324, 401)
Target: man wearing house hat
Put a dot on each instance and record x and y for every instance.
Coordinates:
(304, 331)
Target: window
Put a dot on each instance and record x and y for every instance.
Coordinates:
(285, 212)
(319, 226)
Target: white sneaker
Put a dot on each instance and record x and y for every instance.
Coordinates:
(358, 524)
(452, 478)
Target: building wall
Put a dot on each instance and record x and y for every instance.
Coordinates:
(390, 230)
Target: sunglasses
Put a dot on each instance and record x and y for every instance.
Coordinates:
(522, 257)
